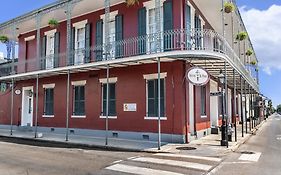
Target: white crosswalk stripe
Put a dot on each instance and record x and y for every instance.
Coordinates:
(139, 170)
(165, 164)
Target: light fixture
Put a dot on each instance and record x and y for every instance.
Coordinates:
(221, 77)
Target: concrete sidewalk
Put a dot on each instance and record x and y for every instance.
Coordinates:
(208, 145)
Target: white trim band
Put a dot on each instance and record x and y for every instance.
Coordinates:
(79, 83)
(155, 118)
(109, 117)
(48, 116)
(50, 32)
(78, 116)
(154, 76)
(110, 80)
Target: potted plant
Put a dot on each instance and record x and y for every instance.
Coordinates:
(249, 52)
(53, 23)
(253, 62)
(4, 39)
(241, 36)
(132, 2)
(229, 7)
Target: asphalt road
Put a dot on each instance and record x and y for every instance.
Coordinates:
(266, 146)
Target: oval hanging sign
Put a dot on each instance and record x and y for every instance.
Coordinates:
(197, 76)
(17, 92)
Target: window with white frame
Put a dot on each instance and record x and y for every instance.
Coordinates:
(152, 24)
(50, 48)
(111, 97)
(80, 36)
(152, 95)
(79, 98)
(48, 100)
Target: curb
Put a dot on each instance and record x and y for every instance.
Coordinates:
(65, 144)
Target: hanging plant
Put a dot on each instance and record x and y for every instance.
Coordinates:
(229, 7)
(253, 63)
(131, 2)
(53, 23)
(241, 36)
(249, 52)
(257, 69)
(4, 39)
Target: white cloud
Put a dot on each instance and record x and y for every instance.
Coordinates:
(264, 27)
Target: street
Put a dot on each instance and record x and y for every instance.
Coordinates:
(267, 148)
(259, 155)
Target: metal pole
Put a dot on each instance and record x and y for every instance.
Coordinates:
(107, 103)
(36, 101)
(234, 104)
(12, 107)
(249, 112)
(241, 105)
(38, 45)
(246, 107)
(159, 105)
(67, 105)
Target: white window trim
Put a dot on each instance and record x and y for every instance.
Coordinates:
(151, 4)
(154, 76)
(78, 116)
(204, 116)
(49, 86)
(109, 117)
(30, 38)
(48, 116)
(110, 80)
(154, 118)
(111, 15)
(79, 83)
(80, 24)
(50, 32)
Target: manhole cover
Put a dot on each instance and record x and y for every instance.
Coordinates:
(186, 148)
(247, 152)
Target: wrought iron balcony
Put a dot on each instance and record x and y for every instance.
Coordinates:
(191, 42)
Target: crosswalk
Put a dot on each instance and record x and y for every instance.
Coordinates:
(164, 164)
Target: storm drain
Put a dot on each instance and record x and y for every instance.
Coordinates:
(247, 152)
(186, 148)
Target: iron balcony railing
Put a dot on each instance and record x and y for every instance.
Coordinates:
(167, 41)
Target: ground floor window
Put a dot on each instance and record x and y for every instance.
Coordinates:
(152, 98)
(203, 101)
(49, 101)
(79, 100)
(112, 99)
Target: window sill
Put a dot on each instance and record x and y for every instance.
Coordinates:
(155, 118)
(204, 116)
(78, 116)
(109, 117)
(48, 116)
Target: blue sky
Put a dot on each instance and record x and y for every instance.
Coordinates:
(270, 71)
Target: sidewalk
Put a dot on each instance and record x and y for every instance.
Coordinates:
(208, 145)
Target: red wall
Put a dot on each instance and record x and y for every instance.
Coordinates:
(130, 88)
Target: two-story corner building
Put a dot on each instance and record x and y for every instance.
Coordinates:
(105, 61)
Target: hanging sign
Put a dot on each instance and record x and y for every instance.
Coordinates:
(197, 76)
(18, 92)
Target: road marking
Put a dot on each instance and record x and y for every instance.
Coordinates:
(182, 164)
(250, 157)
(189, 156)
(139, 170)
(117, 161)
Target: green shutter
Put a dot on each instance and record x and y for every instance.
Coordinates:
(168, 25)
(72, 47)
(118, 36)
(142, 31)
(57, 49)
(43, 53)
(99, 40)
(87, 43)
(188, 25)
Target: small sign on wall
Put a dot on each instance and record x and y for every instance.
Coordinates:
(130, 107)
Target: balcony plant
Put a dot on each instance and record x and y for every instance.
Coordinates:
(253, 62)
(241, 36)
(229, 7)
(53, 23)
(132, 2)
(249, 52)
(4, 39)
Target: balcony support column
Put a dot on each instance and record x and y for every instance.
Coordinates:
(67, 105)
(36, 105)
(158, 27)
(68, 12)
(38, 39)
(13, 44)
(241, 105)
(234, 104)
(159, 103)
(107, 105)
(12, 107)
(246, 116)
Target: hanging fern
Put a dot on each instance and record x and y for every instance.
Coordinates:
(249, 52)
(53, 23)
(4, 39)
(132, 2)
(253, 63)
(229, 7)
(241, 36)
